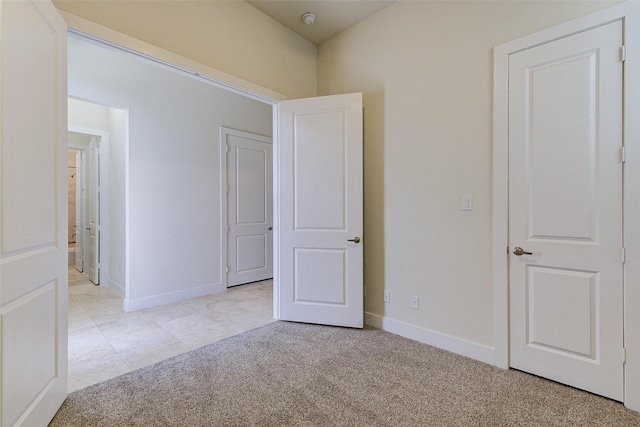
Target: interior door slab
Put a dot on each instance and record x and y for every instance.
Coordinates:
(565, 210)
(320, 196)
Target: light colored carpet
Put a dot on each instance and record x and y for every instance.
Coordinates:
(290, 374)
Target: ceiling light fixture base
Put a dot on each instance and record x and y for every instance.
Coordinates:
(309, 18)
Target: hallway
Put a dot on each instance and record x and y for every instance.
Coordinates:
(105, 341)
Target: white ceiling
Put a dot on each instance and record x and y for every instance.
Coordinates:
(332, 16)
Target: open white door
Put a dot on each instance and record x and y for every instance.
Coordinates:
(320, 247)
(33, 243)
(93, 202)
(249, 168)
(80, 204)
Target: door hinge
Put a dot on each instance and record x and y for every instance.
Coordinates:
(228, 228)
(624, 255)
(623, 154)
(624, 355)
(623, 52)
(226, 148)
(228, 269)
(228, 188)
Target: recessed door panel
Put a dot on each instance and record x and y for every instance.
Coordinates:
(319, 146)
(320, 276)
(31, 365)
(562, 111)
(561, 313)
(251, 252)
(251, 185)
(32, 225)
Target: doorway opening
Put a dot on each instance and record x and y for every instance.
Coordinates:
(246, 165)
(625, 306)
(164, 216)
(85, 219)
(76, 191)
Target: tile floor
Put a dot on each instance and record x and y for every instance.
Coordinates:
(105, 341)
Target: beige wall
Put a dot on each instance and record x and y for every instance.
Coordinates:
(425, 68)
(230, 36)
(426, 72)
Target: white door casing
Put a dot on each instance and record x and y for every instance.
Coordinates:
(320, 210)
(34, 206)
(80, 203)
(93, 207)
(565, 206)
(249, 185)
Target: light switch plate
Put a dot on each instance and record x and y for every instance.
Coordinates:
(467, 202)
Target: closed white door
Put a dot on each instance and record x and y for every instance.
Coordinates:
(250, 207)
(33, 242)
(93, 203)
(80, 204)
(320, 248)
(565, 208)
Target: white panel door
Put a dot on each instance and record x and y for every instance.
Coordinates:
(80, 204)
(565, 207)
(93, 204)
(250, 207)
(34, 210)
(320, 251)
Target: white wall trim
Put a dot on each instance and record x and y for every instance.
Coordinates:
(117, 288)
(169, 297)
(435, 339)
(224, 220)
(629, 12)
(106, 37)
(275, 131)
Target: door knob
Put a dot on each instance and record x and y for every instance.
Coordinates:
(354, 240)
(270, 228)
(519, 251)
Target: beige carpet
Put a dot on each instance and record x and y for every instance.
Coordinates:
(288, 374)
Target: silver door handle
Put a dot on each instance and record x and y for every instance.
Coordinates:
(354, 240)
(519, 251)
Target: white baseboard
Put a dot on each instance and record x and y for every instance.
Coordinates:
(169, 297)
(117, 288)
(436, 339)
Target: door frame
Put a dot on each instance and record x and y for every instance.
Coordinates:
(629, 13)
(91, 32)
(103, 146)
(224, 200)
(80, 201)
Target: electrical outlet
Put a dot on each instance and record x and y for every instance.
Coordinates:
(414, 302)
(387, 296)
